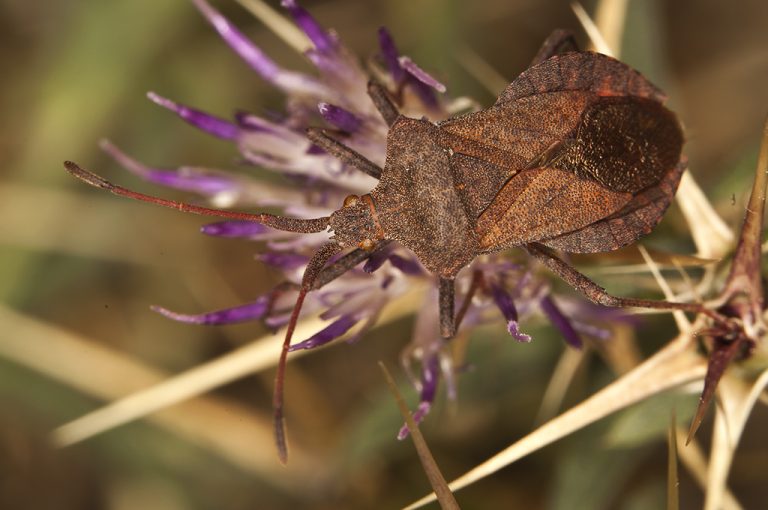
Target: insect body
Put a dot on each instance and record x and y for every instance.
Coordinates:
(577, 154)
(572, 142)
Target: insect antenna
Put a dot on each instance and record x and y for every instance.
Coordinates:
(347, 155)
(277, 222)
(383, 103)
(314, 267)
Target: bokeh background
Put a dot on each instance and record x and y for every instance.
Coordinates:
(79, 268)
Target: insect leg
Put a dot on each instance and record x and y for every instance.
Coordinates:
(383, 103)
(597, 294)
(279, 289)
(311, 273)
(337, 149)
(559, 41)
(447, 323)
(327, 275)
(344, 264)
(316, 275)
(476, 284)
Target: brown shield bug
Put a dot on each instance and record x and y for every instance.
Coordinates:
(578, 154)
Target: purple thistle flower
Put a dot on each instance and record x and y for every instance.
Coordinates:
(507, 307)
(400, 76)
(241, 313)
(316, 183)
(514, 329)
(597, 332)
(377, 259)
(504, 302)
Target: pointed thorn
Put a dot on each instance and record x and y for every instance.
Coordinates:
(719, 359)
(697, 419)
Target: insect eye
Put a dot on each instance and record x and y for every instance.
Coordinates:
(351, 200)
(366, 244)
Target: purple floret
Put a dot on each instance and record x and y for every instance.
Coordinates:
(339, 117)
(328, 334)
(242, 313)
(320, 37)
(236, 228)
(212, 125)
(561, 322)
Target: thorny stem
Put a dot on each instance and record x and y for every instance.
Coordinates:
(436, 479)
(742, 297)
(745, 276)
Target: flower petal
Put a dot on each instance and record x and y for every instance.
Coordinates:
(320, 37)
(332, 332)
(183, 178)
(339, 117)
(236, 228)
(420, 74)
(504, 301)
(253, 56)
(377, 259)
(429, 380)
(203, 121)
(514, 330)
(241, 45)
(242, 313)
(408, 266)
(561, 322)
(390, 54)
(285, 261)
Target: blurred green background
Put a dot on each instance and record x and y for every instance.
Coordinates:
(82, 265)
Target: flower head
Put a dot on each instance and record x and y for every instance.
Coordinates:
(351, 289)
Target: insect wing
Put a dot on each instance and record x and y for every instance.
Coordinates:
(585, 133)
(636, 219)
(621, 150)
(489, 147)
(540, 203)
(585, 71)
(624, 143)
(545, 107)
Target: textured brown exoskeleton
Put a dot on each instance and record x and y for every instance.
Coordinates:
(577, 154)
